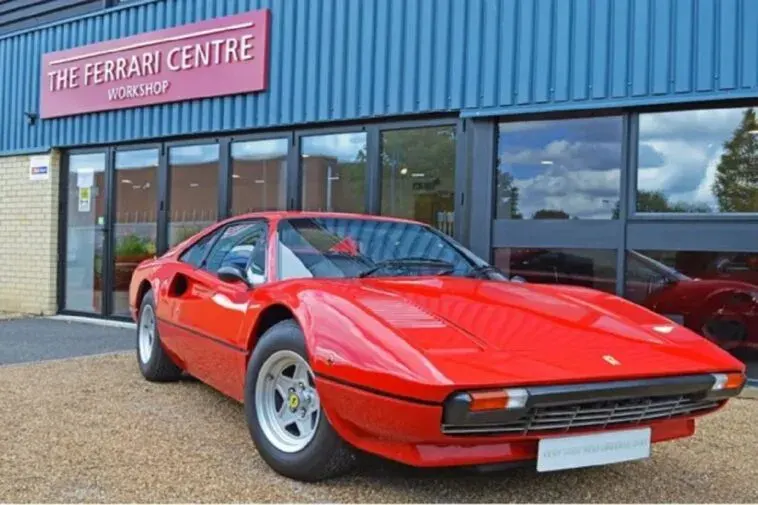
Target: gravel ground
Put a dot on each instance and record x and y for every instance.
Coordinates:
(36, 339)
(91, 430)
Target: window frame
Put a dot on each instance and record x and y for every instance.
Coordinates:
(608, 234)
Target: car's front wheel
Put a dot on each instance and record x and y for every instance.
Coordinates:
(283, 410)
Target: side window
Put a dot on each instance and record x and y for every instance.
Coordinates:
(195, 254)
(237, 246)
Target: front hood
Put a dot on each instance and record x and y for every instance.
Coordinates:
(487, 332)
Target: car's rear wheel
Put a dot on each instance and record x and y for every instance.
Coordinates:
(153, 361)
(284, 413)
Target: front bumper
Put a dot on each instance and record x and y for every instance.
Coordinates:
(599, 405)
(414, 432)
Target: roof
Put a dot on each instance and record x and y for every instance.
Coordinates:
(293, 214)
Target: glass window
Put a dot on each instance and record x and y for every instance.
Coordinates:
(237, 245)
(195, 254)
(85, 232)
(259, 175)
(703, 161)
(193, 190)
(712, 293)
(341, 247)
(589, 268)
(418, 175)
(559, 169)
(135, 218)
(334, 172)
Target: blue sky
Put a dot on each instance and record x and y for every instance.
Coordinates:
(574, 165)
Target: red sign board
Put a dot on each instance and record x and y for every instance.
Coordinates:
(222, 56)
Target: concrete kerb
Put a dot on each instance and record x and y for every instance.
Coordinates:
(92, 320)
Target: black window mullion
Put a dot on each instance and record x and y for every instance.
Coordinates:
(164, 176)
(224, 179)
(626, 197)
(63, 189)
(483, 159)
(373, 171)
(107, 260)
(294, 175)
(460, 204)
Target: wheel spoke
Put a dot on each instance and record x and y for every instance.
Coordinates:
(283, 394)
(300, 374)
(287, 417)
(304, 426)
(315, 404)
(286, 383)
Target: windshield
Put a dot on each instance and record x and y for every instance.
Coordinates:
(652, 268)
(363, 247)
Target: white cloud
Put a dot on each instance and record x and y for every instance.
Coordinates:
(586, 194)
(93, 162)
(343, 146)
(260, 149)
(140, 158)
(203, 153)
(712, 125)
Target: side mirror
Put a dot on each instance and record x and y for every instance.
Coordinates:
(232, 274)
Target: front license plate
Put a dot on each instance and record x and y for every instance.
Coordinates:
(580, 451)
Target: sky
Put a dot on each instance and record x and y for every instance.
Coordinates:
(570, 165)
(573, 165)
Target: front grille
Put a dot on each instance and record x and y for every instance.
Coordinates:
(601, 414)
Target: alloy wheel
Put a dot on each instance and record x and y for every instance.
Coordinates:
(286, 401)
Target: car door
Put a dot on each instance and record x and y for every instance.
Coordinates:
(175, 295)
(212, 311)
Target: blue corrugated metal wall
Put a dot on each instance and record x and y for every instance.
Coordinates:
(345, 59)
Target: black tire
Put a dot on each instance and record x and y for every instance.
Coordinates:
(159, 367)
(326, 455)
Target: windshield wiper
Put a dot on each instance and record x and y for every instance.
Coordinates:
(484, 270)
(407, 261)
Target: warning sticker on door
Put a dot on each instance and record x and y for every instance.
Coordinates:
(84, 199)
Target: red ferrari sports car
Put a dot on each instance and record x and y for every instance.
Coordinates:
(344, 333)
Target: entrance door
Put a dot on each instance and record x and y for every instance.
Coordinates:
(135, 219)
(86, 231)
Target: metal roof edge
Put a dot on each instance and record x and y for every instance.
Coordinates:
(104, 10)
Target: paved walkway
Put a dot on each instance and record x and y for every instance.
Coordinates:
(39, 339)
